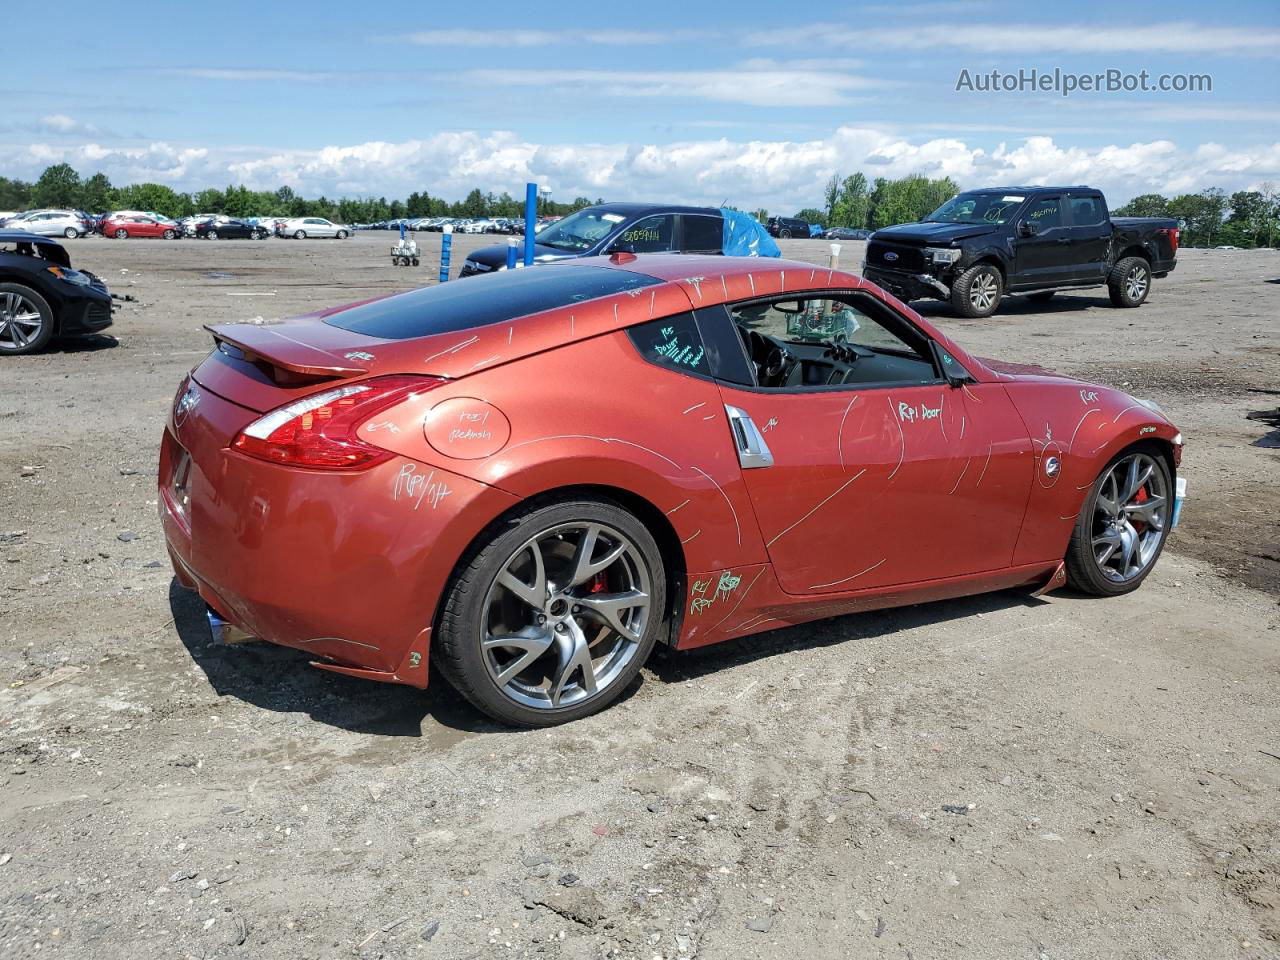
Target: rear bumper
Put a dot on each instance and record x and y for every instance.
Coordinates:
(333, 564)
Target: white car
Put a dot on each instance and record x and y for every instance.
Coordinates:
(300, 228)
(50, 223)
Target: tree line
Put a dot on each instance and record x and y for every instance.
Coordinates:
(61, 186)
(1246, 218)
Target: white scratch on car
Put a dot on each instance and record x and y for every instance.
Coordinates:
(984, 466)
(652, 298)
(454, 349)
(783, 275)
(840, 432)
(836, 583)
(942, 420)
(488, 360)
(1078, 425)
(511, 332)
(970, 394)
(691, 537)
(710, 416)
(675, 508)
(816, 507)
(902, 441)
(962, 426)
(1132, 406)
(724, 286)
(695, 407)
(728, 502)
(961, 477)
(752, 280)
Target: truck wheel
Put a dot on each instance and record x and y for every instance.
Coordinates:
(1129, 282)
(1044, 296)
(977, 291)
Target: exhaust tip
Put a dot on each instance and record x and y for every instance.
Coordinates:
(223, 631)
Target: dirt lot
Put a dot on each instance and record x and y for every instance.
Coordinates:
(1112, 767)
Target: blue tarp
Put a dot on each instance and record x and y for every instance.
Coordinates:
(744, 236)
(815, 229)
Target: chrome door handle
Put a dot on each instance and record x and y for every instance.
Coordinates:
(753, 452)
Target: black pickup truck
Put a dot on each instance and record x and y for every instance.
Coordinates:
(1035, 241)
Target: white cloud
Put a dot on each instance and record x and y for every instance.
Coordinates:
(777, 174)
(1024, 40)
(540, 38)
(762, 84)
(251, 75)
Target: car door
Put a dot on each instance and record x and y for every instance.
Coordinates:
(1042, 245)
(872, 471)
(1090, 229)
(322, 228)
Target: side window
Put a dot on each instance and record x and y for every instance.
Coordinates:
(702, 234)
(1047, 211)
(1086, 211)
(836, 341)
(672, 342)
(650, 235)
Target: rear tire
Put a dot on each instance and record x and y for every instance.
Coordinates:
(1129, 282)
(122, 234)
(536, 549)
(1093, 532)
(71, 233)
(976, 293)
(300, 235)
(35, 328)
(211, 235)
(784, 234)
(1043, 296)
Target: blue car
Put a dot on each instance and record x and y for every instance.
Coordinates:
(636, 228)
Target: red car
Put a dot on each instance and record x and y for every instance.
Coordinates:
(136, 225)
(535, 476)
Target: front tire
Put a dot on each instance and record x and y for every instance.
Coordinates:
(1129, 282)
(784, 234)
(170, 234)
(342, 234)
(553, 612)
(1123, 524)
(976, 292)
(26, 320)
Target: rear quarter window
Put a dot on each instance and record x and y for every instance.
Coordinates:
(672, 342)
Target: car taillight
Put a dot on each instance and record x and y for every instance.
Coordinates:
(1173, 233)
(320, 431)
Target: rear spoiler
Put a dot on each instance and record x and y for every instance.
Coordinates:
(265, 345)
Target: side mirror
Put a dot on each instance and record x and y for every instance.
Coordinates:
(1028, 228)
(955, 374)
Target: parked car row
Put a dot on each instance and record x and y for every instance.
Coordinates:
(505, 225)
(127, 224)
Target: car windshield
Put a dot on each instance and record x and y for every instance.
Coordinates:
(977, 208)
(580, 231)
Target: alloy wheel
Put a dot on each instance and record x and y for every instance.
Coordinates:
(1129, 517)
(20, 321)
(1135, 283)
(565, 615)
(982, 291)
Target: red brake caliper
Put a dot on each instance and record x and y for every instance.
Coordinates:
(1140, 497)
(597, 583)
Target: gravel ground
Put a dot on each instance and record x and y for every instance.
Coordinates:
(994, 777)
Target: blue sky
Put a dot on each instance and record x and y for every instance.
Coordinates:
(754, 102)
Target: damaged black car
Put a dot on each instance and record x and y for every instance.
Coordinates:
(42, 297)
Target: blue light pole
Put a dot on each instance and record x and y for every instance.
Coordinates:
(530, 220)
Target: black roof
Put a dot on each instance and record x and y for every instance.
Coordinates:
(636, 209)
(1040, 189)
(476, 302)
